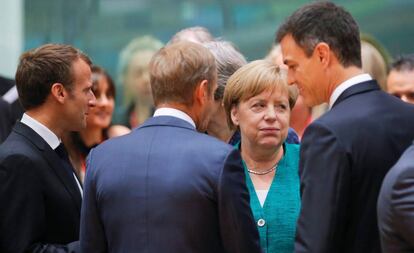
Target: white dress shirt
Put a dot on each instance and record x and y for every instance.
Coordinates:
(345, 85)
(46, 135)
(174, 113)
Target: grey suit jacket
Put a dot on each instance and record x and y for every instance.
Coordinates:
(396, 206)
(166, 188)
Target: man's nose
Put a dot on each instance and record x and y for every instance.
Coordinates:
(290, 78)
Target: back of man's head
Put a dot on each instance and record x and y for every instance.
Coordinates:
(228, 61)
(324, 22)
(197, 34)
(177, 69)
(41, 67)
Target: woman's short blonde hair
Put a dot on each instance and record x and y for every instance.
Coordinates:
(251, 80)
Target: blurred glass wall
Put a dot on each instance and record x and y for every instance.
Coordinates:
(101, 28)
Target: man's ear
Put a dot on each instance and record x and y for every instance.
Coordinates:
(58, 92)
(201, 92)
(323, 53)
(234, 114)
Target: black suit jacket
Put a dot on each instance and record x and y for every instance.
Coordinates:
(40, 201)
(344, 157)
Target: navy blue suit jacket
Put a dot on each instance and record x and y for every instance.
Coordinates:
(40, 201)
(166, 188)
(396, 206)
(344, 157)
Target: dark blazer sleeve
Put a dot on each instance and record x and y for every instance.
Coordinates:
(402, 203)
(92, 234)
(325, 177)
(22, 222)
(237, 228)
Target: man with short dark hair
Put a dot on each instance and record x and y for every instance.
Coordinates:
(39, 191)
(165, 187)
(346, 153)
(400, 81)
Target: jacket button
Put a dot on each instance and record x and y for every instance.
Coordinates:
(261, 222)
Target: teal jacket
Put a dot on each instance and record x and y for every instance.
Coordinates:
(276, 220)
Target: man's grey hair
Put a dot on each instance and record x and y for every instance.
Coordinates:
(228, 60)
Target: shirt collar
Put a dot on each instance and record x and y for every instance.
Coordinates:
(41, 130)
(174, 113)
(345, 85)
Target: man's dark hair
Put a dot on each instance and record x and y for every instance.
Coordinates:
(403, 63)
(325, 22)
(41, 67)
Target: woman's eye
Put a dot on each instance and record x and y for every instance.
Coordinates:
(281, 107)
(258, 105)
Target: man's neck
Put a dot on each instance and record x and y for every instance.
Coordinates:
(220, 131)
(182, 108)
(338, 76)
(46, 118)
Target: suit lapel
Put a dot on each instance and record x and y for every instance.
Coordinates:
(53, 160)
(67, 180)
(357, 89)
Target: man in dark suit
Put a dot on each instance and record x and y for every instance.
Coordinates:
(396, 206)
(39, 192)
(165, 187)
(346, 153)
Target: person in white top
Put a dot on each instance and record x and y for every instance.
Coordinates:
(345, 153)
(39, 192)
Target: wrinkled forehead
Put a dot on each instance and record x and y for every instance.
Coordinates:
(401, 78)
(267, 89)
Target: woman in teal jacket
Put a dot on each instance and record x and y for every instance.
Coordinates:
(258, 102)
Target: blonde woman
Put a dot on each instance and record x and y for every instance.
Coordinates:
(258, 102)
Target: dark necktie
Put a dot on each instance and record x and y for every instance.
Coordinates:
(63, 155)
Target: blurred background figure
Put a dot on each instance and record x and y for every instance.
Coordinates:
(8, 92)
(258, 102)
(137, 102)
(98, 123)
(197, 34)
(6, 122)
(228, 60)
(400, 82)
(374, 60)
(301, 114)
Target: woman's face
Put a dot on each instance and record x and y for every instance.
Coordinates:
(100, 116)
(263, 119)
